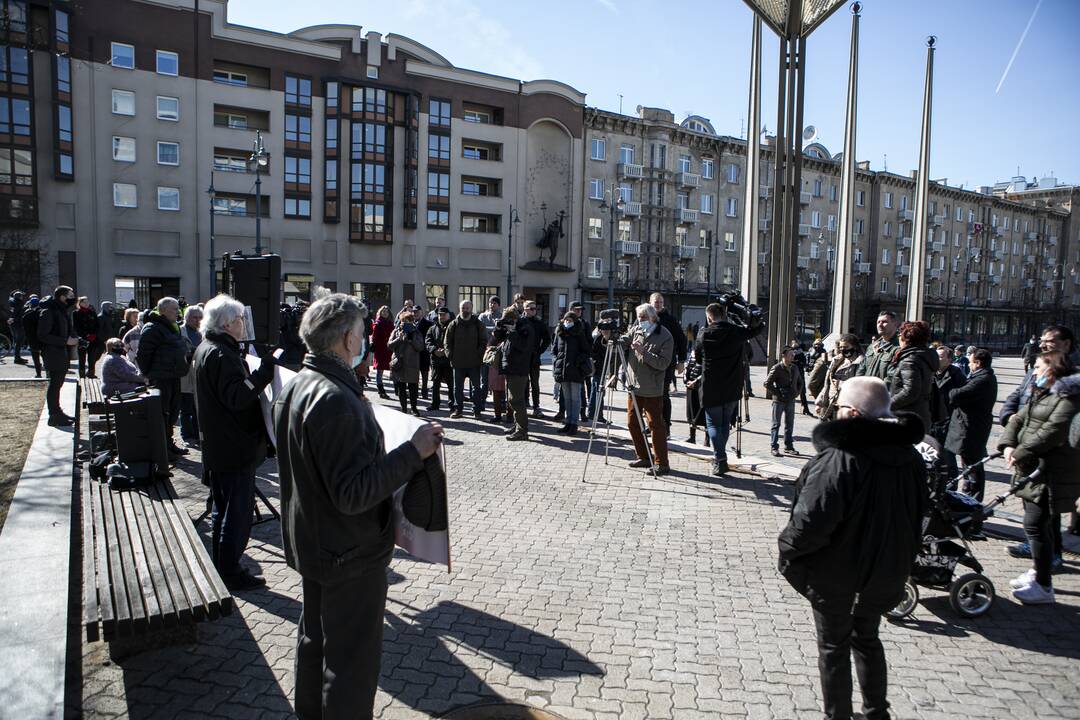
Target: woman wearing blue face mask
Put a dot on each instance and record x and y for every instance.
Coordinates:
(1040, 431)
(571, 367)
(406, 343)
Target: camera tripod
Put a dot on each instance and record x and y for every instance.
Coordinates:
(743, 416)
(259, 519)
(607, 396)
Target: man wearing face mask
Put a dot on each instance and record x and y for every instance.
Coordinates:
(337, 483)
(232, 433)
(649, 354)
(56, 333)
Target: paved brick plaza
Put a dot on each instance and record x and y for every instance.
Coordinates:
(625, 597)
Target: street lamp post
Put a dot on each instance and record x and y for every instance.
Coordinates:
(615, 210)
(259, 159)
(514, 220)
(213, 258)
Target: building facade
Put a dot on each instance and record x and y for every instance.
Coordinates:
(391, 173)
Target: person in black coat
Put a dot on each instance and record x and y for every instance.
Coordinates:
(542, 335)
(17, 306)
(163, 359)
(442, 375)
(56, 333)
(972, 418)
(232, 432)
(947, 378)
(517, 347)
(678, 357)
(31, 314)
(720, 350)
(854, 531)
(91, 342)
(912, 371)
(571, 367)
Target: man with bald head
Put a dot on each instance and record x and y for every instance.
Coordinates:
(854, 531)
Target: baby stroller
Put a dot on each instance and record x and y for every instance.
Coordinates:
(953, 521)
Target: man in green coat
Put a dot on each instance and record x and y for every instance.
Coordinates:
(880, 353)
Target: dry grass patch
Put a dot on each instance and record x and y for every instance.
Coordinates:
(20, 408)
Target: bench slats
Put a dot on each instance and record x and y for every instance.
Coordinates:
(156, 596)
(107, 558)
(185, 586)
(195, 557)
(92, 399)
(135, 620)
(91, 611)
(170, 592)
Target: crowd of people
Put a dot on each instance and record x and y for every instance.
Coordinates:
(856, 520)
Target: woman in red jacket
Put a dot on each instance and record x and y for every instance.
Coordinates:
(380, 337)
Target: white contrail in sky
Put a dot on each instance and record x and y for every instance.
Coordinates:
(1017, 50)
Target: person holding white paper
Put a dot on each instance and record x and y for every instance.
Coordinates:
(337, 483)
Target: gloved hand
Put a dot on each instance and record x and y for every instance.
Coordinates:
(266, 353)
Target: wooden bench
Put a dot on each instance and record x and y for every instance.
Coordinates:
(92, 398)
(144, 567)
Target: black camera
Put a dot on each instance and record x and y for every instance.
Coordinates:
(611, 319)
(740, 310)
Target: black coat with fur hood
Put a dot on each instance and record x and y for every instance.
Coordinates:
(856, 523)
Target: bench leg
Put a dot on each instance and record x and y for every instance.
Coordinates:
(122, 648)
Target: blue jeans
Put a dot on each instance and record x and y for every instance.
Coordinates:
(234, 504)
(787, 411)
(596, 394)
(718, 425)
(571, 393)
(477, 395)
(189, 421)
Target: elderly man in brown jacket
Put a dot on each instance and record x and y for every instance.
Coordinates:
(649, 348)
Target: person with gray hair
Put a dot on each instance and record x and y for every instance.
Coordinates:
(854, 530)
(189, 421)
(232, 433)
(163, 358)
(337, 484)
(649, 347)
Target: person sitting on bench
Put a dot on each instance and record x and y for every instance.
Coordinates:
(118, 374)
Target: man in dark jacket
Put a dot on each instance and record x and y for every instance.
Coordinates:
(442, 375)
(854, 531)
(232, 432)
(465, 342)
(782, 385)
(17, 306)
(337, 512)
(912, 371)
(678, 358)
(542, 335)
(720, 350)
(56, 333)
(879, 355)
(1030, 352)
(948, 377)
(163, 359)
(517, 344)
(31, 315)
(972, 418)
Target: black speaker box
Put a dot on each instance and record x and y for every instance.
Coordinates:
(140, 431)
(256, 281)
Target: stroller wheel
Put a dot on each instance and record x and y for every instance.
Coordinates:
(907, 604)
(971, 595)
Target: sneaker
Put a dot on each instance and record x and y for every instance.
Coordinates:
(1034, 594)
(1022, 581)
(719, 467)
(662, 469)
(563, 430)
(791, 451)
(243, 580)
(639, 463)
(456, 414)
(775, 452)
(1020, 550)
(517, 436)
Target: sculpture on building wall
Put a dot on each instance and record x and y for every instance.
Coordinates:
(551, 234)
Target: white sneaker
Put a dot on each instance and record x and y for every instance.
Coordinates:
(1035, 594)
(1022, 581)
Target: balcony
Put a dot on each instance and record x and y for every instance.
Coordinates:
(1031, 236)
(999, 230)
(903, 270)
(802, 262)
(688, 180)
(627, 247)
(936, 219)
(632, 209)
(765, 192)
(995, 279)
(973, 277)
(763, 224)
(804, 228)
(937, 246)
(904, 242)
(907, 215)
(862, 268)
(686, 215)
(805, 198)
(685, 252)
(629, 170)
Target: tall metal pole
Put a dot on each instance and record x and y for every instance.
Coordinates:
(748, 272)
(776, 290)
(916, 287)
(611, 252)
(841, 295)
(258, 210)
(798, 79)
(213, 258)
(509, 254)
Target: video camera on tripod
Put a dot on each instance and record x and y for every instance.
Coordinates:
(611, 320)
(739, 310)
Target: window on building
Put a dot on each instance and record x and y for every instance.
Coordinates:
(439, 186)
(732, 207)
(168, 198)
(123, 102)
(438, 219)
(598, 149)
(814, 251)
(439, 113)
(374, 138)
(626, 154)
(887, 232)
(63, 73)
(596, 228)
(729, 242)
(330, 175)
(369, 178)
(476, 115)
(704, 238)
(297, 90)
(884, 256)
(707, 203)
(168, 153)
(626, 193)
(479, 223)
(231, 77)
(815, 219)
(728, 275)
(123, 149)
(888, 199)
(959, 214)
(832, 222)
(477, 294)
(707, 168)
(832, 192)
(331, 133)
(858, 226)
(298, 170)
(733, 173)
(860, 198)
(62, 23)
(124, 195)
(63, 123)
(167, 63)
(624, 230)
(298, 208)
(123, 56)
(596, 189)
(331, 95)
(439, 147)
(168, 108)
(596, 268)
(298, 128)
(681, 234)
(685, 164)
(370, 100)
(682, 200)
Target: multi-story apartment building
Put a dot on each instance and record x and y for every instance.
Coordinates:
(391, 172)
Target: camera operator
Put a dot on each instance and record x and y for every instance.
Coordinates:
(650, 348)
(678, 356)
(720, 349)
(607, 327)
(232, 433)
(517, 348)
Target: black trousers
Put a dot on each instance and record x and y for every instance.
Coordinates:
(975, 484)
(88, 358)
(189, 420)
(534, 385)
(442, 376)
(339, 648)
(401, 390)
(231, 515)
(1038, 522)
(35, 353)
(839, 637)
(52, 393)
(170, 404)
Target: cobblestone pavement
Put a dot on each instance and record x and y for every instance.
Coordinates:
(617, 598)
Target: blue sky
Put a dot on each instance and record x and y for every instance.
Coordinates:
(693, 56)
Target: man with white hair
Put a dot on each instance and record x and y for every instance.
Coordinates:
(648, 357)
(163, 359)
(232, 433)
(854, 531)
(337, 485)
